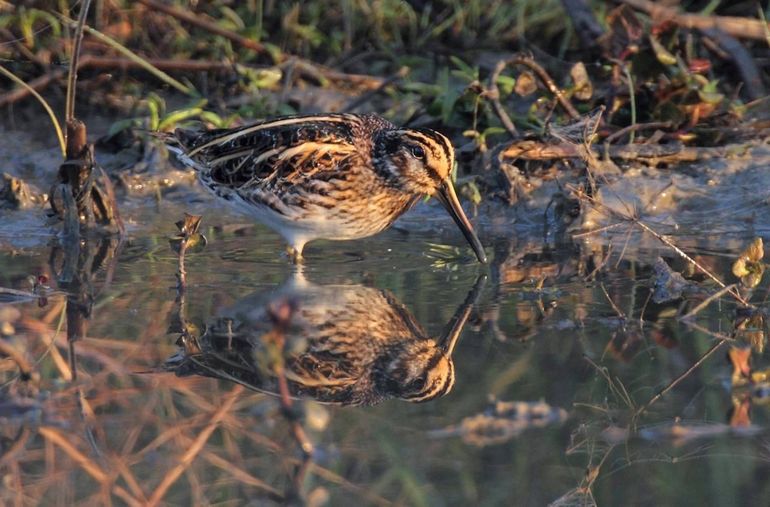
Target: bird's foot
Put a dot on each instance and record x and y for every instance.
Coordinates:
(295, 255)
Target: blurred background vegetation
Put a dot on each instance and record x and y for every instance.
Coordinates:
(420, 61)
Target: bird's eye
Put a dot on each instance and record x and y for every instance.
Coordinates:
(418, 152)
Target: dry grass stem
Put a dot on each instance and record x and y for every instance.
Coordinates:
(703, 304)
(188, 457)
(680, 378)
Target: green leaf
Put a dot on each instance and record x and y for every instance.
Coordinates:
(506, 84)
(490, 131)
(464, 71)
(710, 98)
(235, 20)
(661, 53)
(214, 119)
(471, 191)
(172, 119)
(261, 78)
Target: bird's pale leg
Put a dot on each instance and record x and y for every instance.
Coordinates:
(295, 252)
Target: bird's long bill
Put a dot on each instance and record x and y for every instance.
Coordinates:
(447, 196)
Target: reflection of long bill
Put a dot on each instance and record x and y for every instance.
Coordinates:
(447, 196)
(454, 327)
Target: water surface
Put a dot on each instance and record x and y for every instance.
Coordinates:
(555, 374)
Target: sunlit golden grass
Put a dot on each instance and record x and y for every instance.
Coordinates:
(142, 438)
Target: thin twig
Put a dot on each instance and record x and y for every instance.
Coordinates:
(69, 109)
(689, 259)
(741, 28)
(335, 478)
(636, 127)
(598, 230)
(305, 66)
(650, 154)
(140, 61)
(703, 304)
(170, 64)
(7, 350)
(53, 435)
(120, 63)
(618, 311)
(30, 88)
(12, 448)
(198, 21)
(287, 405)
(242, 475)
(549, 83)
(323, 74)
(492, 94)
(181, 272)
(631, 97)
(681, 377)
(619, 389)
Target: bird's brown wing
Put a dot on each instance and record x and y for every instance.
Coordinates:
(284, 149)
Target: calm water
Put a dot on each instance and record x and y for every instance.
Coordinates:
(567, 328)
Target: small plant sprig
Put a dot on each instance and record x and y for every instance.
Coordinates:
(188, 239)
(749, 267)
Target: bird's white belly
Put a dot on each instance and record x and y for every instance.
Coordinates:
(301, 226)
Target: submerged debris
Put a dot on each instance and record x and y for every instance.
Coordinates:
(668, 285)
(15, 193)
(504, 420)
(680, 433)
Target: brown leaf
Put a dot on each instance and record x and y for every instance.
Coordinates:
(526, 84)
(190, 224)
(584, 89)
(740, 358)
(740, 415)
(699, 65)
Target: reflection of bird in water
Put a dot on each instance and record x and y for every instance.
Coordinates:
(350, 345)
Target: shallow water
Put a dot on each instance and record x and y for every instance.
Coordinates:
(564, 327)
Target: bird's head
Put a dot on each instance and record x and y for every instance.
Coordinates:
(420, 162)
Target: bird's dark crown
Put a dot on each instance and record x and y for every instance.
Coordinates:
(417, 160)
